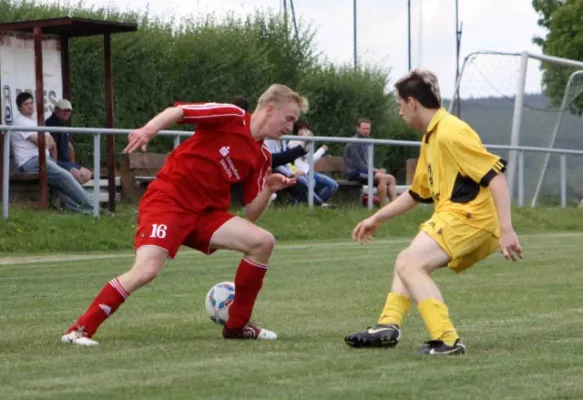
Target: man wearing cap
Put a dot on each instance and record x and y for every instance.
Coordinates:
(65, 152)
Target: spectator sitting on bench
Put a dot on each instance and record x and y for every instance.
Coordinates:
(356, 165)
(299, 191)
(65, 151)
(25, 150)
(324, 187)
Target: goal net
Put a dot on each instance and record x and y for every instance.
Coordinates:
(507, 99)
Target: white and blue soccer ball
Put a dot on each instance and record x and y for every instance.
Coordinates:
(219, 300)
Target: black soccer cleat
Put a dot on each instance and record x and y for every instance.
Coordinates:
(438, 347)
(380, 336)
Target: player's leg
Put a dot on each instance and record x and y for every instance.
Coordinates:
(162, 227)
(445, 239)
(149, 261)
(414, 266)
(224, 231)
(387, 331)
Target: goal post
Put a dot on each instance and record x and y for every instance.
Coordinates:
(505, 97)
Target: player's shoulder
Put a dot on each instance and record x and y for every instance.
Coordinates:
(454, 129)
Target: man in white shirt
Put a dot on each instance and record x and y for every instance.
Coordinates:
(25, 151)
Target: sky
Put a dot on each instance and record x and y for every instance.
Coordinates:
(491, 25)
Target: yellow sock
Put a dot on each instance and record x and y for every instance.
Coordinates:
(436, 318)
(396, 307)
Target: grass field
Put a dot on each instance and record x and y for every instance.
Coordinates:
(521, 323)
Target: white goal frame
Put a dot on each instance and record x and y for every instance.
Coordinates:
(511, 168)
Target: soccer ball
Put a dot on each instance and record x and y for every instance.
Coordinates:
(219, 300)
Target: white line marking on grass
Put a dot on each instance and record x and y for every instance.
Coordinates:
(42, 259)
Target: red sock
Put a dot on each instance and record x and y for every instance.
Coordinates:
(248, 282)
(106, 303)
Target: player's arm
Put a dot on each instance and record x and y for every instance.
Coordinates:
(509, 244)
(182, 113)
(257, 196)
(257, 207)
(140, 137)
(401, 205)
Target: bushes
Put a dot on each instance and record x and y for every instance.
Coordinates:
(207, 59)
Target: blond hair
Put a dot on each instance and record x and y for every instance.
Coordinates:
(278, 93)
(422, 85)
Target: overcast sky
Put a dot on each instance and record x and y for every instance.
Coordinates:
(501, 25)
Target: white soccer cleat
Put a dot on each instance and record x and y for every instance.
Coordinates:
(249, 331)
(76, 337)
(267, 335)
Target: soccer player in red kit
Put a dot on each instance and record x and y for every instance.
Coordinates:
(187, 204)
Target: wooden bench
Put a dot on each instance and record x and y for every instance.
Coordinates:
(137, 170)
(331, 165)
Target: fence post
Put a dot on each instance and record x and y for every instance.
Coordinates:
(563, 180)
(6, 174)
(520, 178)
(310, 174)
(176, 141)
(97, 173)
(370, 174)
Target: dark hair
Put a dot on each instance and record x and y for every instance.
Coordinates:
(363, 121)
(22, 97)
(300, 124)
(422, 86)
(241, 102)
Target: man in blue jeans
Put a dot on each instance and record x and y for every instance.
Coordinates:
(60, 117)
(25, 151)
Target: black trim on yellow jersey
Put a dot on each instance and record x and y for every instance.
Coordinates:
(420, 199)
(496, 169)
(465, 189)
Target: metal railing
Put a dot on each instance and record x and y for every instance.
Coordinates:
(97, 132)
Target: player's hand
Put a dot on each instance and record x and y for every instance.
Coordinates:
(275, 182)
(364, 230)
(509, 245)
(138, 139)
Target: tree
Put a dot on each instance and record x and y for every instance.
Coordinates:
(562, 19)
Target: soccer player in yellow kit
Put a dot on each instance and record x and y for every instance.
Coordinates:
(471, 218)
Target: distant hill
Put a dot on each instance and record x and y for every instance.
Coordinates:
(492, 118)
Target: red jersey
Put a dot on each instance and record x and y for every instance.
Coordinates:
(199, 173)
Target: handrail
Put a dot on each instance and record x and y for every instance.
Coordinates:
(97, 132)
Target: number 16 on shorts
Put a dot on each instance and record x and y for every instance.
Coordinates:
(158, 231)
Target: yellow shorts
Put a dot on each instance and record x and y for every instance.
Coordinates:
(465, 244)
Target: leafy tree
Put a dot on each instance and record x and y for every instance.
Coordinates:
(562, 19)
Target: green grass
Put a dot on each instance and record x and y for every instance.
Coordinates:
(34, 231)
(521, 323)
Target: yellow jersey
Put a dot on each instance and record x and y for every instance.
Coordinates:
(454, 170)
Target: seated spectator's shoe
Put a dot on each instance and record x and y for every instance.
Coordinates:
(78, 337)
(249, 331)
(379, 336)
(438, 347)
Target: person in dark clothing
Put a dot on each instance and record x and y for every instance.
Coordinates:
(356, 165)
(65, 151)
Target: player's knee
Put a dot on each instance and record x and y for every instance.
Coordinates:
(391, 180)
(146, 272)
(145, 269)
(407, 265)
(262, 242)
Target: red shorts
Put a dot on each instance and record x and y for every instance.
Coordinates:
(164, 224)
